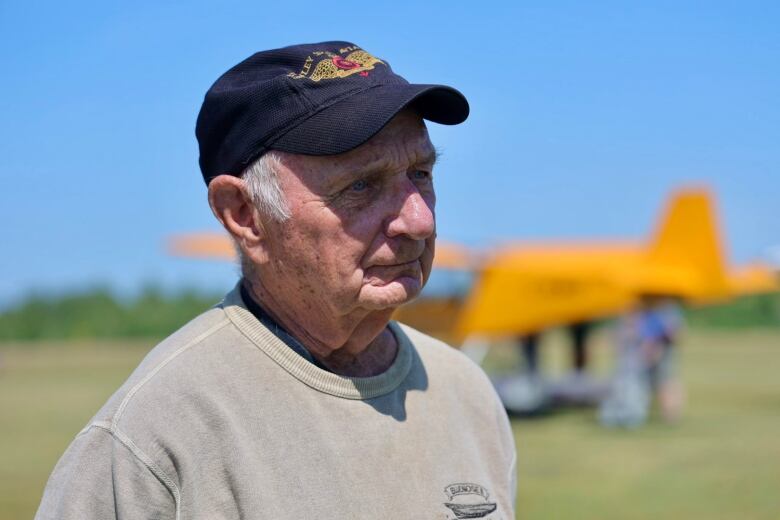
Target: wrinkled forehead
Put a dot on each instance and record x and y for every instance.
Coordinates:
(401, 144)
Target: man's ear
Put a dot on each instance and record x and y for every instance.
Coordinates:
(235, 210)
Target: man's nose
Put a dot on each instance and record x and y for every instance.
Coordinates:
(413, 215)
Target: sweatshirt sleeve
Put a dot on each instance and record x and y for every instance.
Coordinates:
(103, 475)
(508, 444)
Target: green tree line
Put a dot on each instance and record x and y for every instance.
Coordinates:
(99, 313)
(759, 310)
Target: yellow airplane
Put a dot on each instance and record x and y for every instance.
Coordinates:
(522, 289)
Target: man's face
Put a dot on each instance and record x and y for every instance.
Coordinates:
(361, 235)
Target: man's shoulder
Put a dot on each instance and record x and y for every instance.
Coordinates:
(438, 356)
(121, 439)
(175, 362)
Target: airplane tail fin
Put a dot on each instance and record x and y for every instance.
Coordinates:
(686, 251)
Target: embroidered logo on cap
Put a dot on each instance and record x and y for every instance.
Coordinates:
(330, 65)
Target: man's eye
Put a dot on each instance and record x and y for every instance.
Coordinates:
(359, 185)
(420, 175)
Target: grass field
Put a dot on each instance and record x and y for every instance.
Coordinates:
(721, 462)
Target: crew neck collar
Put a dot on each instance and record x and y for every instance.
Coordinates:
(308, 373)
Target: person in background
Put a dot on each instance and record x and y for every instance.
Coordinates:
(646, 365)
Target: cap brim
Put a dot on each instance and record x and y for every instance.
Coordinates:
(347, 124)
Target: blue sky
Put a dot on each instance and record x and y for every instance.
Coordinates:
(584, 116)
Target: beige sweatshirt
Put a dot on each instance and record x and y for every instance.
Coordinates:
(224, 421)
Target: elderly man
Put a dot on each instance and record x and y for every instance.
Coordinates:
(297, 397)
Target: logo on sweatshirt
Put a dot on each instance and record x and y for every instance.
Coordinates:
(467, 500)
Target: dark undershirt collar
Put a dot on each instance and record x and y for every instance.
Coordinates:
(277, 330)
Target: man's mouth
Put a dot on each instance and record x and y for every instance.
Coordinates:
(400, 264)
(384, 274)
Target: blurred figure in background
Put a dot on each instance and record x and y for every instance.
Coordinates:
(646, 365)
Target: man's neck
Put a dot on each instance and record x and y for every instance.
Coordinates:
(359, 347)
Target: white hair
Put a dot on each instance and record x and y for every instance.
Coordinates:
(262, 184)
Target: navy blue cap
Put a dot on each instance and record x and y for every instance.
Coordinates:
(314, 99)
